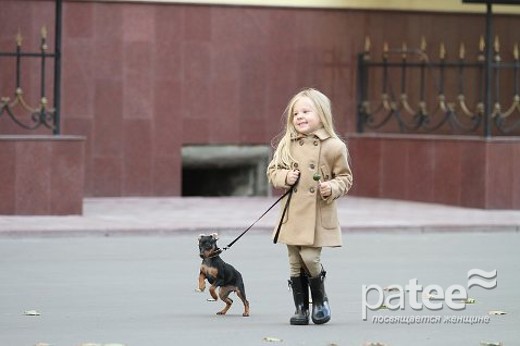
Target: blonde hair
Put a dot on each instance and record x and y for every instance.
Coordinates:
(282, 156)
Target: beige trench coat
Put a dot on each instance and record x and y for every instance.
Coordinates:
(312, 220)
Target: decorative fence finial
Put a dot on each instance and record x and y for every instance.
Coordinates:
(442, 51)
(18, 39)
(366, 55)
(481, 49)
(385, 50)
(44, 38)
(462, 51)
(496, 48)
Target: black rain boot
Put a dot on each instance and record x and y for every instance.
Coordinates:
(320, 302)
(301, 300)
(304, 278)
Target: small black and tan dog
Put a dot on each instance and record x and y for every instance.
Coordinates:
(219, 274)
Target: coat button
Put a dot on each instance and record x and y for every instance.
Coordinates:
(315, 143)
(300, 142)
(295, 165)
(295, 190)
(311, 190)
(312, 165)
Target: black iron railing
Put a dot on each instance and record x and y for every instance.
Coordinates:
(407, 92)
(413, 93)
(16, 107)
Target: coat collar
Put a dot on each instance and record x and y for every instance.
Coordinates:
(320, 133)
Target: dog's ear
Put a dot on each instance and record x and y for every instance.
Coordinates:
(215, 236)
(200, 237)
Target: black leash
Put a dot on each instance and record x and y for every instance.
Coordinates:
(289, 193)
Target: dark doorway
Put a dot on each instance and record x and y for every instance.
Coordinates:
(224, 170)
(222, 181)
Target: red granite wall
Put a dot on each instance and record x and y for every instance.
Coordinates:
(455, 170)
(142, 79)
(41, 175)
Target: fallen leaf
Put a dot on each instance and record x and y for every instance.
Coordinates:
(431, 296)
(272, 339)
(390, 289)
(470, 301)
(31, 313)
(497, 312)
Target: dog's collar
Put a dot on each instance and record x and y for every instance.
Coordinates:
(216, 253)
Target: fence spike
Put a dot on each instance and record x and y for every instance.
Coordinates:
(423, 44)
(496, 46)
(442, 51)
(367, 44)
(366, 53)
(462, 51)
(481, 47)
(19, 38)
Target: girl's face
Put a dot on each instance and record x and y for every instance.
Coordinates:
(306, 119)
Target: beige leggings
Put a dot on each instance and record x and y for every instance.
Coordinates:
(304, 257)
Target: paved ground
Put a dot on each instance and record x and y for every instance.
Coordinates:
(140, 291)
(93, 284)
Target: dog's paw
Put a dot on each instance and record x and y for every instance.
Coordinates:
(200, 290)
(211, 300)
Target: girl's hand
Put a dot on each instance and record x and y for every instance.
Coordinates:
(292, 177)
(325, 189)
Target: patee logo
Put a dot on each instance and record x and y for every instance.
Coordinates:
(432, 297)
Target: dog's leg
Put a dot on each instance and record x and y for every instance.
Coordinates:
(224, 295)
(213, 293)
(242, 296)
(202, 282)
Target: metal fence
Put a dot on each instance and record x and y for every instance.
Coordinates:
(33, 115)
(410, 90)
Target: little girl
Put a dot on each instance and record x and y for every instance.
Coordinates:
(312, 156)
